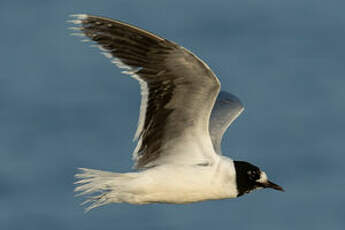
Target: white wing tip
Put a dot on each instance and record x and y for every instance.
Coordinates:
(74, 28)
(107, 55)
(79, 16)
(77, 34)
(76, 22)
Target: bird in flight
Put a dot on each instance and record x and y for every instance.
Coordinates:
(183, 116)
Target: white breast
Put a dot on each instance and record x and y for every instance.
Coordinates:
(184, 184)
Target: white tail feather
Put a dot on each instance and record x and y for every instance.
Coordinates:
(108, 187)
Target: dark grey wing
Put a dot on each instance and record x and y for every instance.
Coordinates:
(178, 91)
(226, 109)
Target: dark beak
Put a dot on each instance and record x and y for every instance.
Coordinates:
(272, 185)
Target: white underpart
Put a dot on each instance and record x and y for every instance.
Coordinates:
(163, 184)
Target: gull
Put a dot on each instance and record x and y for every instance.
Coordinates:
(183, 116)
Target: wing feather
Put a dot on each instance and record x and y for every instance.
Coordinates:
(226, 109)
(178, 91)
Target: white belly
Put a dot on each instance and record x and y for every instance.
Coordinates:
(162, 184)
(183, 184)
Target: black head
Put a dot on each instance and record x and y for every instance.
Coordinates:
(249, 177)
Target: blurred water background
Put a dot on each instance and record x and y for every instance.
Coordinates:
(64, 106)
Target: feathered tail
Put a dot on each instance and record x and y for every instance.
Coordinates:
(109, 187)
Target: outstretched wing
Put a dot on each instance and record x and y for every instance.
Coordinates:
(178, 91)
(226, 109)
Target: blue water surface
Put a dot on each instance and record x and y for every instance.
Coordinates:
(64, 106)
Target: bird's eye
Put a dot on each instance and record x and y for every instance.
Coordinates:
(253, 175)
